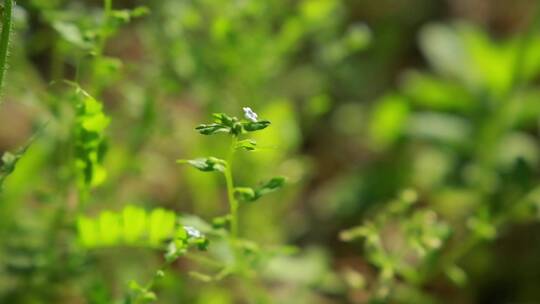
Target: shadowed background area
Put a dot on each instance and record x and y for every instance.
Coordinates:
(407, 131)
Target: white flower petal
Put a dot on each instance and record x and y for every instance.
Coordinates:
(192, 232)
(250, 114)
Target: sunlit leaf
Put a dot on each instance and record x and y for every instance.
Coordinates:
(207, 164)
(90, 145)
(162, 223)
(388, 122)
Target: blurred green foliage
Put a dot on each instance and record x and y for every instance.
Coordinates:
(407, 130)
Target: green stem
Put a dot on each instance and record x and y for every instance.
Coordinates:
(233, 203)
(4, 39)
(150, 284)
(108, 7)
(450, 258)
(107, 4)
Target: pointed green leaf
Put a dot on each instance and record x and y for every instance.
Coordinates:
(245, 194)
(207, 164)
(247, 144)
(209, 129)
(174, 251)
(272, 185)
(251, 126)
(224, 119)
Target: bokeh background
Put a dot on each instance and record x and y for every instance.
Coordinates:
(372, 103)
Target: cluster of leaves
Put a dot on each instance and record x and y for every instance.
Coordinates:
(90, 144)
(78, 39)
(403, 242)
(232, 125)
(134, 226)
(87, 36)
(464, 130)
(462, 133)
(210, 44)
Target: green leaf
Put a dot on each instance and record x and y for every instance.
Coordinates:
(224, 119)
(245, 194)
(140, 11)
(272, 185)
(201, 276)
(90, 144)
(95, 123)
(195, 237)
(174, 251)
(246, 144)
(135, 226)
(87, 229)
(251, 126)
(221, 221)
(149, 296)
(248, 247)
(134, 286)
(436, 93)
(134, 223)
(358, 37)
(162, 223)
(207, 164)
(109, 228)
(125, 15)
(389, 120)
(201, 243)
(234, 125)
(222, 123)
(71, 33)
(482, 227)
(211, 129)
(141, 292)
(457, 275)
(9, 160)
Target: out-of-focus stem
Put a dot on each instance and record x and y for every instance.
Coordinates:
(4, 39)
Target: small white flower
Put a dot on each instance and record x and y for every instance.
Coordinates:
(249, 114)
(192, 232)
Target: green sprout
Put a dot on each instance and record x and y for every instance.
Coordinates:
(237, 129)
